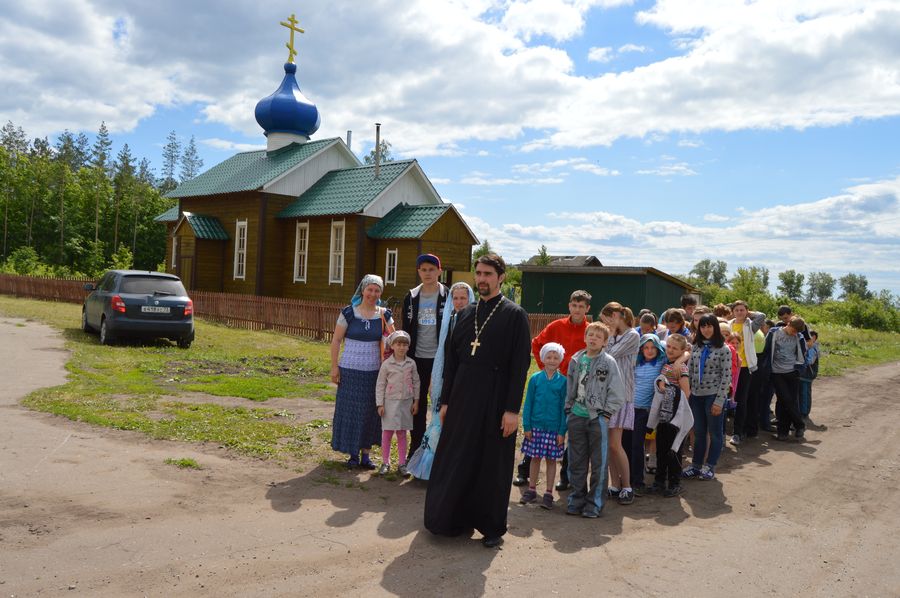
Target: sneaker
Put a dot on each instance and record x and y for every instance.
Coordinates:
(799, 432)
(640, 490)
(707, 473)
(384, 469)
(573, 511)
(781, 437)
(626, 497)
(403, 471)
(590, 513)
(352, 462)
(528, 497)
(736, 440)
(690, 472)
(673, 491)
(612, 492)
(547, 501)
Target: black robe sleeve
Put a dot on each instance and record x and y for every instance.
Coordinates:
(519, 358)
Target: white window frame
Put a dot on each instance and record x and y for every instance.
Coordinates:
(240, 252)
(336, 252)
(301, 252)
(174, 251)
(390, 263)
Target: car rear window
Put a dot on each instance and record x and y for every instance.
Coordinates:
(147, 285)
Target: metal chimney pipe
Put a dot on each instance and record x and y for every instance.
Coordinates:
(349, 138)
(377, 149)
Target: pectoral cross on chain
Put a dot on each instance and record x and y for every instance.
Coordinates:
(475, 344)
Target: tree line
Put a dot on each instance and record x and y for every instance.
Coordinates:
(814, 294)
(74, 208)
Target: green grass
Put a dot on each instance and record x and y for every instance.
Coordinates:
(131, 386)
(845, 348)
(183, 463)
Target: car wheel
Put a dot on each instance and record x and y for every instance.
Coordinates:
(185, 343)
(84, 323)
(105, 337)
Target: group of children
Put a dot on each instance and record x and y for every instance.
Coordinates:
(672, 381)
(605, 387)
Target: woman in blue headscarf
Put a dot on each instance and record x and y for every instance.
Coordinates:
(419, 465)
(361, 326)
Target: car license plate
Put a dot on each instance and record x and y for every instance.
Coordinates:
(155, 309)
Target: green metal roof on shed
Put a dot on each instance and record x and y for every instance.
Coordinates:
(345, 191)
(407, 222)
(249, 171)
(170, 215)
(205, 227)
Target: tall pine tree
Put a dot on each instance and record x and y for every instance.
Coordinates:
(171, 157)
(191, 162)
(123, 186)
(100, 161)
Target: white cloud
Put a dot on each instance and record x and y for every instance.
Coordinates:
(715, 218)
(633, 48)
(594, 169)
(483, 180)
(579, 164)
(856, 230)
(439, 180)
(224, 144)
(469, 71)
(667, 170)
(600, 54)
(692, 143)
(558, 19)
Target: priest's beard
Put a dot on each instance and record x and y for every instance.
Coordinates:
(485, 290)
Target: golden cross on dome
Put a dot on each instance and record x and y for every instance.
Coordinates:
(292, 25)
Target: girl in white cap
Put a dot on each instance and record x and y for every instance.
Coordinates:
(544, 421)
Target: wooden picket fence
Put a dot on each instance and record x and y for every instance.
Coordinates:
(309, 319)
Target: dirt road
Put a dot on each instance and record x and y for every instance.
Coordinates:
(90, 511)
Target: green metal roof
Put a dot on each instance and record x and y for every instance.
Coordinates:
(345, 191)
(249, 171)
(170, 215)
(206, 227)
(407, 222)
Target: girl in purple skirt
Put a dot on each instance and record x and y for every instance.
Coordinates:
(544, 420)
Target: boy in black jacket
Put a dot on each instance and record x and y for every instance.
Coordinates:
(423, 307)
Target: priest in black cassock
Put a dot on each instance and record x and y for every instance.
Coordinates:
(485, 367)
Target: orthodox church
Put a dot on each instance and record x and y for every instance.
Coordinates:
(305, 218)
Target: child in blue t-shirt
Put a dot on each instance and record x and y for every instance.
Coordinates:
(544, 420)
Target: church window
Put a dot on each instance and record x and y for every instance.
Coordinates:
(300, 251)
(240, 250)
(336, 263)
(390, 268)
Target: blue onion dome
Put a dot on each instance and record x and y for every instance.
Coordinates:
(287, 110)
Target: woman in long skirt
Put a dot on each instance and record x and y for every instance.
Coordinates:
(361, 327)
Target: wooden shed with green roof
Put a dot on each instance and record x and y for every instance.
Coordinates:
(546, 287)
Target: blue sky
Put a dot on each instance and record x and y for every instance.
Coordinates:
(645, 133)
